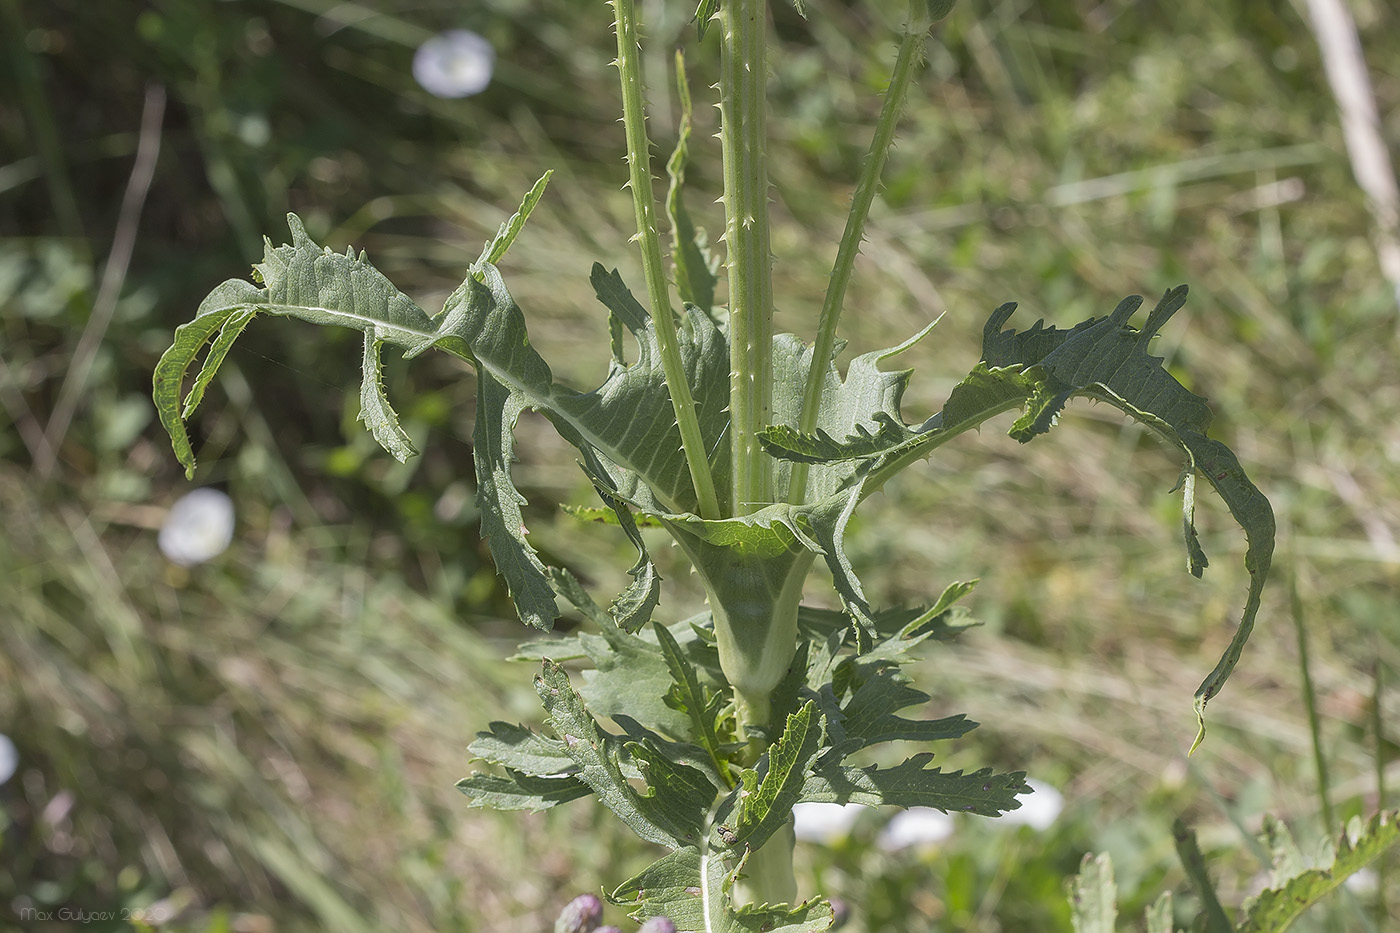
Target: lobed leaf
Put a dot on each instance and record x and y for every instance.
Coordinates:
(1276, 908)
(523, 750)
(765, 804)
(1106, 359)
(788, 443)
(501, 521)
(909, 784)
(1093, 897)
(516, 791)
(869, 715)
(689, 696)
(657, 819)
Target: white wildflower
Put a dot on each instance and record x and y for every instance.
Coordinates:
(917, 826)
(456, 63)
(1038, 810)
(9, 758)
(824, 822)
(198, 527)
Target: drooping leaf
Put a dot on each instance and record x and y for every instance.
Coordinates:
(627, 421)
(501, 522)
(828, 520)
(633, 607)
(1276, 908)
(516, 791)
(597, 755)
(218, 350)
(765, 803)
(1106, 359)
(1093, 897)
(375, 411)
(910, 784)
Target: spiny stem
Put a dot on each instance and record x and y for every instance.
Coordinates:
(743, 141)
(643, 200)
(910, 52)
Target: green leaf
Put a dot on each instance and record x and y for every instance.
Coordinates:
(683, 753)
(939, 622)
(630, 418)
(1108, 360)
(811, 917)
(523, 750)
(1275, 909)
(630, 677)
(695, 891)
(868, 716)
(863, 404)
(1093, 897)
(501, 522)
(375, 411)
(909, 784)
(633, 607)
(1159, 916)
(697, 268)
(496, 248)
(218, 350)
(670, 887)
(628, 421)
(766, 804)
(683, 794)
(689, 696)
(828, 520)
(788, 443)
(516, 791)
(660, 818)
(704, 13)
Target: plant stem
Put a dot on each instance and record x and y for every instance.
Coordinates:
(1324, 793)
(743, 140)
(911, 49)
(643, 200)
(768, 874)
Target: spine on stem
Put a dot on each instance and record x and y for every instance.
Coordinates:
(911, 48)
(743, 136)
(643, 200)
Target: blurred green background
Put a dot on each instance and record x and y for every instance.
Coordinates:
(270, 741)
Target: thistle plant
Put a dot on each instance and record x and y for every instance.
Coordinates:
(752, 450)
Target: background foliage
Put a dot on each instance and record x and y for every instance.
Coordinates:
(272, 739)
